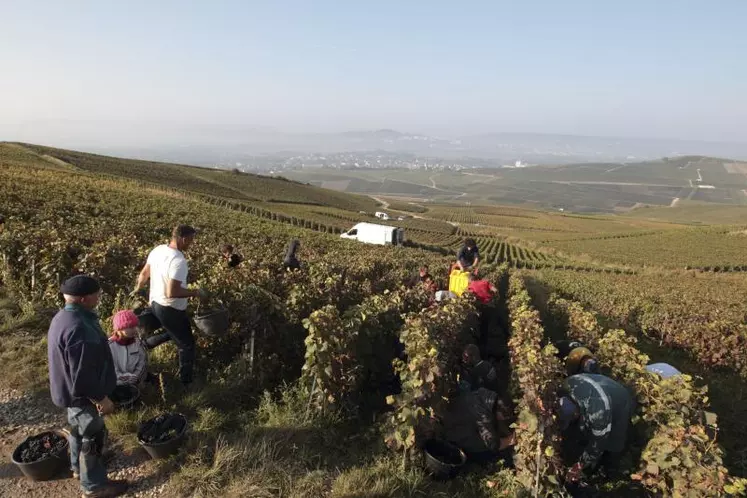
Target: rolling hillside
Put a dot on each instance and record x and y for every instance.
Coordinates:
(514, 235)
(221, 183)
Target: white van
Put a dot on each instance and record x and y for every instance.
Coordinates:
(375, 234)
(382, 215)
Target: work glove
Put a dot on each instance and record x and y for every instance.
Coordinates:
(575, 473)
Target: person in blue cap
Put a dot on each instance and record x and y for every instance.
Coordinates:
(601, 409)
(665, 370)
(81, 378)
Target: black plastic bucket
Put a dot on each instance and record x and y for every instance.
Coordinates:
(163, 449)
(125, 396)
(443, 459)
(214, 322)
(46, 468)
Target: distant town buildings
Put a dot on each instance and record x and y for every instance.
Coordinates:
(277, 163)
(346, 160)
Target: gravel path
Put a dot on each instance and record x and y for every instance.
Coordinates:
(22, 415)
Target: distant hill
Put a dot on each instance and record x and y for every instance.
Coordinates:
(542, 148)
(611, 187)
(222, 183)
(383, 134)
(204, 144)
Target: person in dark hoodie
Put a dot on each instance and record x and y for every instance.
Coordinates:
(477, 372)
(81, 378)
(476, 422)
(290, 262)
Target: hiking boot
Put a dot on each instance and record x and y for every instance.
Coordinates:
(108, 490)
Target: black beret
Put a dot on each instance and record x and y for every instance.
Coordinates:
(80, 285)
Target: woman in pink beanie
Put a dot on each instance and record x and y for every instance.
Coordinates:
(130, 357)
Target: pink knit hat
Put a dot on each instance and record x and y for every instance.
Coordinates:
(125, 319)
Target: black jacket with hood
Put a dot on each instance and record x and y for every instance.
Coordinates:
(291, 261)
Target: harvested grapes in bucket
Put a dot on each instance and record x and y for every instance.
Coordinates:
(44, 445)
(163, 428)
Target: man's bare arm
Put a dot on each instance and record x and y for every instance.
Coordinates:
(143, 277)
(175, 290)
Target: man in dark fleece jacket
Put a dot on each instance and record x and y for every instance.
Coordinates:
(475, 422)
(602, 409)
(81, 377)
(291, 262)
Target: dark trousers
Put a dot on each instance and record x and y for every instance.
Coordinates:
(178, 329)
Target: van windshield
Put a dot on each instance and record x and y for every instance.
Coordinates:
(354, 231)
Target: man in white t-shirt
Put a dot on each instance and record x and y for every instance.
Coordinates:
(167, 270)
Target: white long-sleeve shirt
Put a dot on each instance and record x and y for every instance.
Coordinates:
(130, 362)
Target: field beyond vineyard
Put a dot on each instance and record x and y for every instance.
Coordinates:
(296, 399)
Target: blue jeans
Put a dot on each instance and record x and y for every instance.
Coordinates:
(87, 437)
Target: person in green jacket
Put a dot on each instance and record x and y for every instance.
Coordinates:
(601, 408)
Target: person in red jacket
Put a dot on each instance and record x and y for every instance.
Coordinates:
(482, 289)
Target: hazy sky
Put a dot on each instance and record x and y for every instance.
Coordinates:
(649, 68)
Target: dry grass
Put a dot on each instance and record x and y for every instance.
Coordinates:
(383, 477)
(282, 452)
(23, 344)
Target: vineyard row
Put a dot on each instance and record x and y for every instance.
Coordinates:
(680, 456)
(675, 314)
